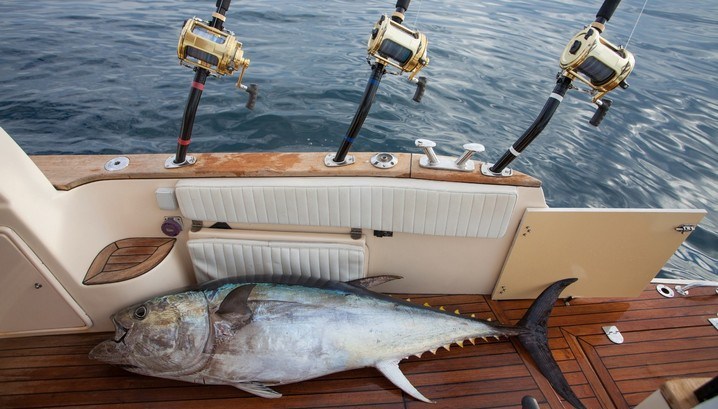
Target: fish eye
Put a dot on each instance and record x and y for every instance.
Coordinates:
(140, 313)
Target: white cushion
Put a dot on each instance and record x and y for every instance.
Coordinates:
(223, 258)
(395, 204)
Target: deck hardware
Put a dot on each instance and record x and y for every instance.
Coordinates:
(383, 233)
(683, 289)
(613, 334)
(188, 160)
(686, 228)
(714, 321)
(384, 160)
(38, 286)
(329, 161)
(117, 163)
(665, 291)
(172, 226)
(567, 300)
(196, 226)
(355, 233)
(469, 150)
(428, 147)
(432, 161)
(486, 171)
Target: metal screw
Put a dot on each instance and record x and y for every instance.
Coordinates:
(428, 147)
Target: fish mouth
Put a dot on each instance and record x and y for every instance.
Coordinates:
(114, 350)
(120, 331)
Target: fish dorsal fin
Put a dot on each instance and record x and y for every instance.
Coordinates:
(236, 303)
(367, 282)
(259, 389)
(391, 370)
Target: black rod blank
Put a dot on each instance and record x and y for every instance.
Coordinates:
(549, 108)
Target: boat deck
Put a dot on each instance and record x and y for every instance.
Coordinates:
(664, 339)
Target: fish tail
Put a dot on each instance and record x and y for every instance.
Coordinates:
(534, 338)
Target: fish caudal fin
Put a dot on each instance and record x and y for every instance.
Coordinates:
(534, 338)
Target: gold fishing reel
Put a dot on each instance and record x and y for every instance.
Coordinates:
(217, 51)
(596, 62)
(393, 44)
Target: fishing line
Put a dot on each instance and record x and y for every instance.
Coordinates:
(418, 11)
(636, 25)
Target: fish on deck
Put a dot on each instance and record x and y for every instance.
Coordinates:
(256, 334)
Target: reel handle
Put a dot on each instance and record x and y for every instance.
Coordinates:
(420, 88)
(606, 11)
(601, 111)
(252, 90)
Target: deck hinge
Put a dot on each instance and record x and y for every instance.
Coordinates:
(685, 228)
(613, 334)
(355, 233)
(383, 233)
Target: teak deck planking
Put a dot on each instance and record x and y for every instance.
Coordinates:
(664, 339)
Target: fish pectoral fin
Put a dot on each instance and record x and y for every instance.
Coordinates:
(256, 388)
(390, 369)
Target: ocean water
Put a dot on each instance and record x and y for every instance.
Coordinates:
(102, 77)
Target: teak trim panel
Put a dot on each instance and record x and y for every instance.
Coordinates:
(126, 259)
(66, 172)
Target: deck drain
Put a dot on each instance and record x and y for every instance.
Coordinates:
(665, 291)
(117, 163)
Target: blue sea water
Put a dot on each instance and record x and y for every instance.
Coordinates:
(103, 77)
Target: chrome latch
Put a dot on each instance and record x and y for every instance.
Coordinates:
(613, 334)
(686, 228)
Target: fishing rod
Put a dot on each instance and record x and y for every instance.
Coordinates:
(590, 59)
(391, 44)
(209, 49)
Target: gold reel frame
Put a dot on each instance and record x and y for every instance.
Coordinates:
(589, 45)
(224, 47)
(388, 30)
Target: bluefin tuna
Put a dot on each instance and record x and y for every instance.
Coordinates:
(257, 334)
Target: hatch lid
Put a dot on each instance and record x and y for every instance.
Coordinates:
(612, 252)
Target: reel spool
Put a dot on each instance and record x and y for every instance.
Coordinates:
(217, 51)
(596, 62)
(393, 44)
